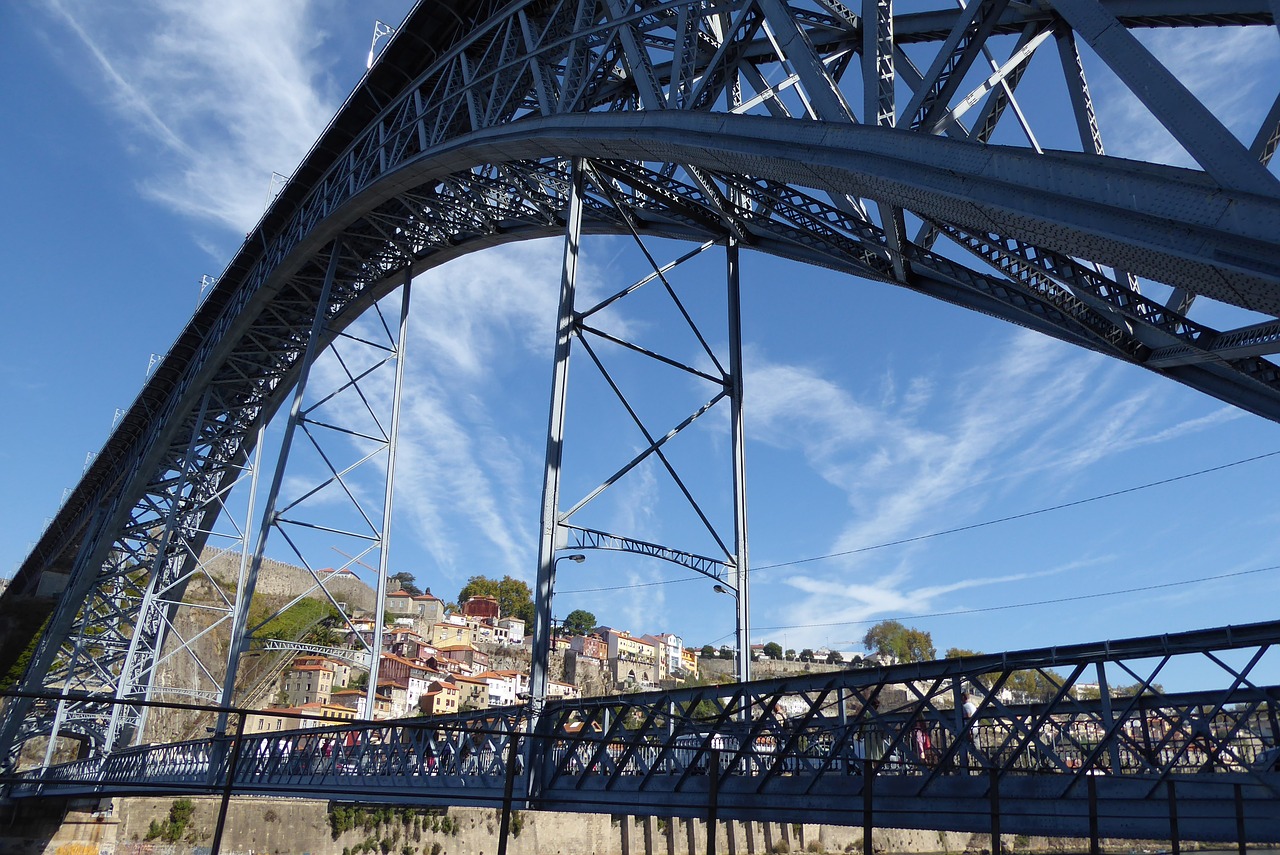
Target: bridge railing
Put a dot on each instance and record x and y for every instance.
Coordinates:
(901, 740)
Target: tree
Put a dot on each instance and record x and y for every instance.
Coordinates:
(406, 583)
(726, 652)
(513, 596)
(904, 644)
(579, 622)
(773, 650)
(834, 658)
(791, 654)
(1035, 685)
(806, 655)
(1032, 685)
(707, 651)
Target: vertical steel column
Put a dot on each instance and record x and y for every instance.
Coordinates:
(743, 599)
(1108, 719)
(549, 529)
(239, 624)
(384, 547)
(241, 577)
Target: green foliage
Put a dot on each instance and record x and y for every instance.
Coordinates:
(406, 583)
(579, 622)
(1136, 688)
(1038, 685)
(299, 621)
(707, 651)
(171, 831)
(904, 644)
(773, 650)
(517, 823)
(1035, 685)
(23, 623)
(514, 597)
(806, 655)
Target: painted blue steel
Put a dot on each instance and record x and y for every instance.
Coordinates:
(807, 749)
(457, 140)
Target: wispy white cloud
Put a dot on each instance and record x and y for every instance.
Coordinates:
(464, 477)
(1231, 70)
(230, 91)
(906, 461)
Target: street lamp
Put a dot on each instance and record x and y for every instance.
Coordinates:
(743, 658)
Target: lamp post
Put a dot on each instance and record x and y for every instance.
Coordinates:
(541, 653)
(742, 660)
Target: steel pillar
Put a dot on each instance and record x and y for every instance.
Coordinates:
(742, 599)
(384, 552)
(549, 529)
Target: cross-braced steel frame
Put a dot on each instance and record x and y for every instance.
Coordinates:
(1091, 747)
(861, 138)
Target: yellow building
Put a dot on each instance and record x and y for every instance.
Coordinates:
(440, 699)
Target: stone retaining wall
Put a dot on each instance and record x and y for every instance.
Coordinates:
(267, 826)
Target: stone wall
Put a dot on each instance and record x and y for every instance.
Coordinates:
(264, 826)
(763, 669)
(278, 580)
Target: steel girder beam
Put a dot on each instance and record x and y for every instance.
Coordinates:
(890, 740)
(453, 143)
(430, 39)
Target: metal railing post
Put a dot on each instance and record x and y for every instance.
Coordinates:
(232, 762)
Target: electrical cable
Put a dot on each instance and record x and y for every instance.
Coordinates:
(1020, 516)
(955, 530)
(1049, 602)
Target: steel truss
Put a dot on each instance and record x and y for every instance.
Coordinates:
(724, 383)
(773, 124)
(878, 747)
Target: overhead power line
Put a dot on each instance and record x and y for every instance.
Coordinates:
(955, 530)
(1020, 516)
(1049, 602)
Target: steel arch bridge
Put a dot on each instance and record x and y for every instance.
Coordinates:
(857, 138)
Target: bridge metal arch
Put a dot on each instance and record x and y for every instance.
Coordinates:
(488, 173)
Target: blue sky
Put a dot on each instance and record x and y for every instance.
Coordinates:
(140, 145)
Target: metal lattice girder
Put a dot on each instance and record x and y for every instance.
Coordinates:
(1101, 749)
(744, 118)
